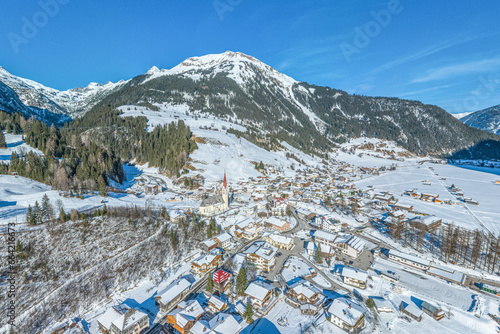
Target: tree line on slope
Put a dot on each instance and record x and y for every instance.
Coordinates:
(85, 154)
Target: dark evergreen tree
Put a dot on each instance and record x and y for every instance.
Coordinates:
(210, 284)
(241, 282)
(3, 143)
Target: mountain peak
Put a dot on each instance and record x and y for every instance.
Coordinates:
(153, 70)
(217, 58)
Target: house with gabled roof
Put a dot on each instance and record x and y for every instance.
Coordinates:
(173, 294)
(205, 263)
(111, 314)
(222, 280)
(221, 323)
(346, 314)
(354, 277)
(132, 321)
(185, 315)
(260, 294)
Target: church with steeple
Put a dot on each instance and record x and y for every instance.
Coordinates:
(216, 203)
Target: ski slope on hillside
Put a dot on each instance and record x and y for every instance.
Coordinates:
(219, 151)
(15, 143)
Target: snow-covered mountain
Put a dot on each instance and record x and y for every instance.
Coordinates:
(486, 119)
(241, 89)
(73, 102)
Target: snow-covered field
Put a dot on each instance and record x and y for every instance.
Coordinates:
(477, 183)
(15, 143)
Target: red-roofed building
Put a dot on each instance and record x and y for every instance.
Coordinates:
(222, 280)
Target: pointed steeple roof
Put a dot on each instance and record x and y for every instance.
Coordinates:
(225, 182)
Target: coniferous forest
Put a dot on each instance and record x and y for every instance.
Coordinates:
(88, 152)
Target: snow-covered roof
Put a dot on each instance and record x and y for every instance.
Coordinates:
(276, 222)
(187, 311)
(409, 257)
(382, 303)
(354, 273)
(258, 290)
(217, 302)
(130, 318)
(446, 273)
(112, 314)
(357, 243)
(346, 310)
(229, 325)
(209, 243)
(174, 289)
(308, 307)
(305, 289)
(223, 237)
(281, 238)
(222, 323)
(324, 235)
(204, 259)
(412, 309)
(262, 249)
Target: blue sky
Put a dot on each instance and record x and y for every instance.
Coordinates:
(444, 52)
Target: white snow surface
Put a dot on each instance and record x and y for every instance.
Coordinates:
(15, 143)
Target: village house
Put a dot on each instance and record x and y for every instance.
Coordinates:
(223, 240)
(222, 280)
(173, 294)
(177, 217)
(354, 277)
(222, 323)
(302, 293)
(346, 314)
(260, 294)
(349, 245)
(262, 255)
(205, 264)
(329, 224)
(280, 241)
(208, 244)
(279, 206)
(305, 214)
(411, 310)
(185, 315)
(432, 311)
(276, 224)
(409, 260)
(248, 229)
(403, 207)
(132, 321)
(382, 305)
(425, 223)
(216, 305)
(324, 238)
(111, 314)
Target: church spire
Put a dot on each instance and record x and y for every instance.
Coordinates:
(225, 182)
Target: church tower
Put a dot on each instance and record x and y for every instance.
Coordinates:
(225, 195)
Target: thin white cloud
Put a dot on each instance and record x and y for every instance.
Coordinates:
(472, 67)
(426, 90)
(420, 54)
